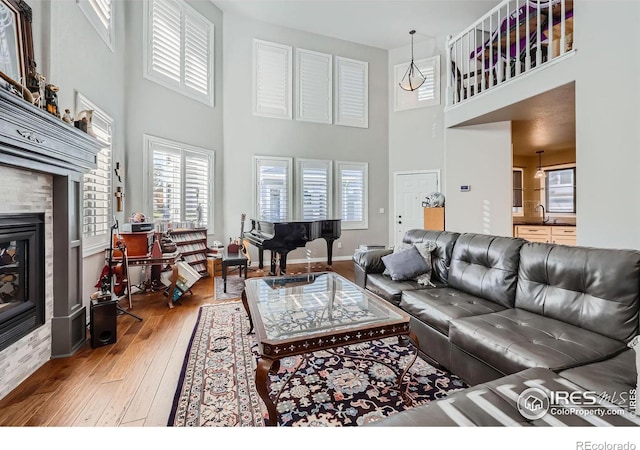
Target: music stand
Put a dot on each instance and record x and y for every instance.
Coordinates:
(107, 280)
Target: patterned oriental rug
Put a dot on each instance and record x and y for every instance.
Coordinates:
(235, 285)
(217, 383)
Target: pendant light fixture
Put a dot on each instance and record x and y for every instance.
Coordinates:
(540, 173)
(412, 78)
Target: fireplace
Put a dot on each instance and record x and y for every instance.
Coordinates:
(22, 300)
(42, 160)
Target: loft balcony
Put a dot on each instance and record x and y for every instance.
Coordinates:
(514, 39)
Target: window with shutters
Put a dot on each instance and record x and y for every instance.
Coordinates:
(179, 49)
(100, 15)
(518, 192)
(314, 86)
(351, 92)
(428, 94)
(272, 197)
(353, 186)
(272, 83)
(96, 187)
(179, 185)
(314, 189)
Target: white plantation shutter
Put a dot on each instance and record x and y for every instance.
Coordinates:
(426, 95)
(196, 53)
(353, 194)
(167, 186)
(100, 15)
(96, 190)
(314, 189)
(165, 40)
(273, 188)
(196, 187)
(271, 79)
(314, 86)
(180, 182)
(352, 92)
(179, 49)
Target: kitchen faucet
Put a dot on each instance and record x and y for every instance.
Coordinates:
(544, 219)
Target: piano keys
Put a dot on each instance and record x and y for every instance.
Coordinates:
(282, 237)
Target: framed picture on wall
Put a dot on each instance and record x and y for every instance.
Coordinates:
(16, 40)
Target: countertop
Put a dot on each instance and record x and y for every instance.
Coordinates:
(548, 224)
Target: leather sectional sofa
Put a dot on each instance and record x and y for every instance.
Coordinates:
(505, 311)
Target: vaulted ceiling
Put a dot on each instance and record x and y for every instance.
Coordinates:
(383, 24)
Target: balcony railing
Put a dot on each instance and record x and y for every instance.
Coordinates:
(512, 39)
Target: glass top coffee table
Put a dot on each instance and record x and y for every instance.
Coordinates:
(300, 314)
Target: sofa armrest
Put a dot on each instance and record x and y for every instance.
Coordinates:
(371, 260)
(368, 261)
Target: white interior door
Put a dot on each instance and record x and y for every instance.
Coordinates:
(410, 190)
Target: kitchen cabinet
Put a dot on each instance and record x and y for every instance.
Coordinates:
(565, 235)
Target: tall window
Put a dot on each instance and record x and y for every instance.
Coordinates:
(96, 191)
(100, 15)
(180, 185)
(518, 191)
(351, 92)
(273, 188)
(314, 189)
(353, 194)
(560, 190)
(179, 48)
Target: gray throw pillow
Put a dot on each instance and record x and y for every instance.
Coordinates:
(399, 247)
(405, 265)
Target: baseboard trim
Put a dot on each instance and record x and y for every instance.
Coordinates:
(315, 260)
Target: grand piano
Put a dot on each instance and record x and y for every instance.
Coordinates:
(282, 237)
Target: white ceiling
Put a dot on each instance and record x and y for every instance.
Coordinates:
(378, 23)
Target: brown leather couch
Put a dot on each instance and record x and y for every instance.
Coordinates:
(502, 306)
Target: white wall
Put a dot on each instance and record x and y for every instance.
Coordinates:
(247, 135)
(607, 118)
(158, 111)
(416, 136)
(479, 156)
(71, 55)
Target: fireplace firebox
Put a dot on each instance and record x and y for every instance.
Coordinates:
(22, 276)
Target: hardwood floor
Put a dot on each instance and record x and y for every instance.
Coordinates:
(129, 383)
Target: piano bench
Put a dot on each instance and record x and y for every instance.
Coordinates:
(233, 260)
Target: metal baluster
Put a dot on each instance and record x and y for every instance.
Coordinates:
(563, 31)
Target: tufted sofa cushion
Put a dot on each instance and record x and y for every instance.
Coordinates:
(441, 256)
(437, 307)
(390, 290)
(613, 380)
(514, 340)
(594, 289)
(486, 266)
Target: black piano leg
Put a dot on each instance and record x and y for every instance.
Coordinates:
(260, 258)
(274, 256)
(283, 263)
(329, 251)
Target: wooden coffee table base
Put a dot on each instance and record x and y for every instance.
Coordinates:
(272, 365)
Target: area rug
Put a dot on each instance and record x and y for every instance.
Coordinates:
(235, 285)
(216, 386)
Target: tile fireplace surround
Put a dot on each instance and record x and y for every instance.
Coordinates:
(42, 160)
